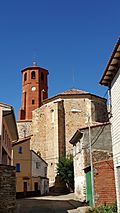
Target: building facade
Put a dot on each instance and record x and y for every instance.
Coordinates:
(54, 123)
(111, 79)
(104, 191)
(31, 169)
(8, 133)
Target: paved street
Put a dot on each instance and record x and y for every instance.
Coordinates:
(48, 204)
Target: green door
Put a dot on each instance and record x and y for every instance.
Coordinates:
(88, 188)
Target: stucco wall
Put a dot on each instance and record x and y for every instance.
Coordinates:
(100, 137)
(40, 169)
(24, 159)
(79, 177)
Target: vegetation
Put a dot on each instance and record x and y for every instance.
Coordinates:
(104, 209)
(65, 171)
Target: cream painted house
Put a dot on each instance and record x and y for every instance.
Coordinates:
(55, 122)
(31, 169)
(8, 133)
(111, 79)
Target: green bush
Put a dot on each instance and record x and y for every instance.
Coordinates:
(104, 209)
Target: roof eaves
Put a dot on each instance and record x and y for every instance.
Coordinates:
(112, 66)
(39, 156)
(77, 136)
(21, 140)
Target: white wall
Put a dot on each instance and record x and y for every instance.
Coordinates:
(41, 165)
(79, 175)
(115, 99)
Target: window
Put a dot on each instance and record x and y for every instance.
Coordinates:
(17, 167)
(33, 101)
(45, 170)
(33, 75)
(20, 150)
(52, 116)
(25, 76)
(37, 165)
(25, 186)
(42, 76)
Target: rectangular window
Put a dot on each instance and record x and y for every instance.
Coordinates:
(20, 150)
(33, 101)
(25, 186)
(37, 165)
(17, 167)
(45, 169)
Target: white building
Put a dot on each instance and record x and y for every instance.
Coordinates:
(39, 169)
(111, 78)
(8, 133)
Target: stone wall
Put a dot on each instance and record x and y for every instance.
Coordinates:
(24, 128)
(45, 136)
(53, 125)
(7, 189)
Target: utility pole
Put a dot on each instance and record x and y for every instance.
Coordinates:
(91, 162)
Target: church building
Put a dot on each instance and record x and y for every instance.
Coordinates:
(53, 121)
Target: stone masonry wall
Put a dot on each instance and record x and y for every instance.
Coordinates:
(45, 136)
(75, 120)
(7, 189)
(24, 128)
(53, 125)
(61, 130)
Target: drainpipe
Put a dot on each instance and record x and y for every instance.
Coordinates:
(91, 163)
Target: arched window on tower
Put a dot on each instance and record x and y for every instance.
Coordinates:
(33, 75)
(42, 76)
(25, 76)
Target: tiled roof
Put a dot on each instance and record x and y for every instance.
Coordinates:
(73, 92)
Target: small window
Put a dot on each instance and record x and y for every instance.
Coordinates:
(20, 150)
(37, 165)
(17, 167)
(25, 76)
(33, 75)
(33, 101)
(45, 170)
(42, 76)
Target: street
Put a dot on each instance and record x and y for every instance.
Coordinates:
(48, 204)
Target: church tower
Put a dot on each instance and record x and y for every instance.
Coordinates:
(34, 90)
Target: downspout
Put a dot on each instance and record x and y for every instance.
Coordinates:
(109, 102)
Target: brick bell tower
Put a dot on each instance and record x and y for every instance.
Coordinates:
(34, 90)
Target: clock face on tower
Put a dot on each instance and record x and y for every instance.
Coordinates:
(33, 88)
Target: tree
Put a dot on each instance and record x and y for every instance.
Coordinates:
(65, 171)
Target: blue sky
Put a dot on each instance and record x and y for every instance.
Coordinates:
(73, 39)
